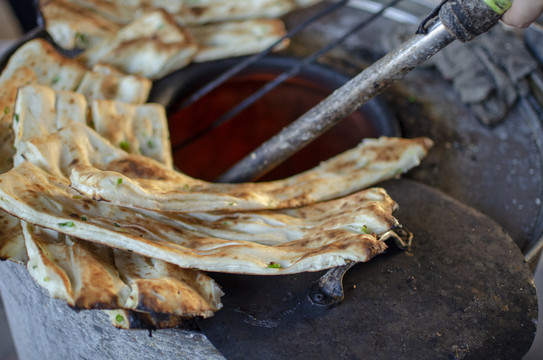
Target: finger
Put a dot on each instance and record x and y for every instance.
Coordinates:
(523, 12)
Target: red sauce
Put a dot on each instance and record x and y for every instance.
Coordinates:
(216, 151)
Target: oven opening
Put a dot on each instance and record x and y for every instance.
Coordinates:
(204, 149)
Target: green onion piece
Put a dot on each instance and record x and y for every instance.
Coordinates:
(365, 229)
(6, 110)
(81, 38)
(16, 117)
(46, 279)
(119, 181)
(274, 265)
(68, 224)
(150, 144)
(124, 145)
(119, 318)
(117, 225)
(84, 218)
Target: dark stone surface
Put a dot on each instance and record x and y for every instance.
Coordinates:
(462, 291)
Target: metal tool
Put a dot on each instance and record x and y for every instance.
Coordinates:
(458, 19)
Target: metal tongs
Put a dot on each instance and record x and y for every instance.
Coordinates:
(451, 20)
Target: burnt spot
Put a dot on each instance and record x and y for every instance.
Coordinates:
(134, 167)
(198, 10)
(97, 301)
(86, 203)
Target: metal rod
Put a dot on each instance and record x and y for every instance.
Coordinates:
(252, 59)
(340, 104)
(282, 78)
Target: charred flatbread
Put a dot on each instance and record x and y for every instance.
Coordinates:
(91, 276)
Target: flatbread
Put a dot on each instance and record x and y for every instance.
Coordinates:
(80, 273)
(208, 11)
(151, 46)
(12, 246)
(73, 26)
(236, 38)
(195, 12)
(92, 276)
(163, 288)
(104, 82)
(39, 198)
(58, 154)
(372, 161)
(39, 110)
(120, 11)
(143, 129)
(34, 62)
(137, 129)
(97, 168)
(50, 68)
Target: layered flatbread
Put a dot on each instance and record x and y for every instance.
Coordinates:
(31, 194)
(92, 276)
(372, 161)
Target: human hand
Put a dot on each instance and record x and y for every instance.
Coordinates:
(523, 12)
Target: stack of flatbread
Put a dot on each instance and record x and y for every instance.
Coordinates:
(92, 205)
(154, 38)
